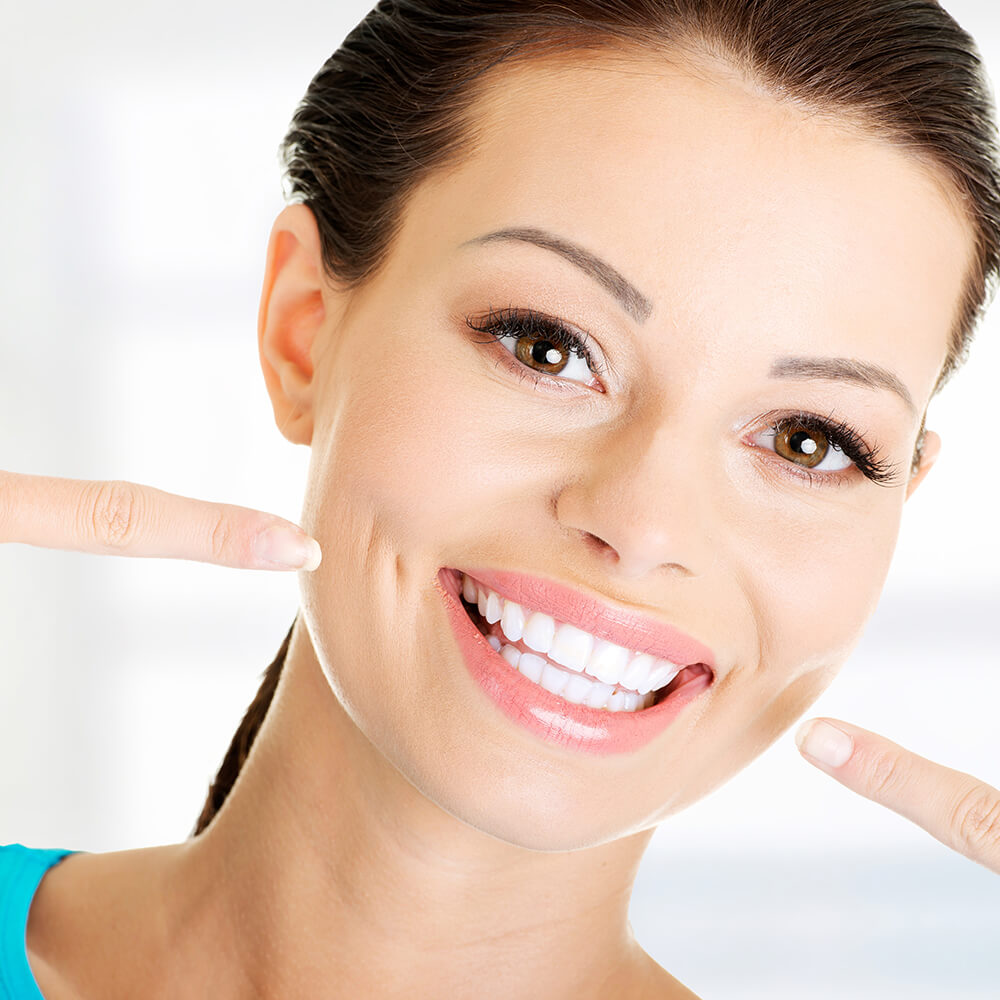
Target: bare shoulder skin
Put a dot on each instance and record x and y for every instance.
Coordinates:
(96, 927)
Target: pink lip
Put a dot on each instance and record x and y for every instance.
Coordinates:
(625, 628)
(546, 715)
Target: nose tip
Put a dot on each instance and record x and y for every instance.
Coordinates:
(633, 561)
(639, 504)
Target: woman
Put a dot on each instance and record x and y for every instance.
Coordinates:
(601, 322)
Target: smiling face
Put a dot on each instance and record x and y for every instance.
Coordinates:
(765, 298)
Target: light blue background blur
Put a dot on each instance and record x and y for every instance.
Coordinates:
(138, 182)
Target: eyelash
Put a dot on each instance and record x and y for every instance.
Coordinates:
(867, 460)
(517, 323)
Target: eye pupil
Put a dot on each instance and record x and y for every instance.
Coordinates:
(803, 442)
(541, 352)
(544, 353)
(804, 447)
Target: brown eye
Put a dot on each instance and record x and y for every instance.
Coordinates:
(541, 344)
(801, 445)
(548, 357)
(822, 446)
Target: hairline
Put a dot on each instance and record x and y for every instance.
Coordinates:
(703, 56)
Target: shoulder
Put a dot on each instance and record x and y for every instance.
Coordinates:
(65, 921)
(95, 926)
(19, 865)
(52, 985)
(22, 870)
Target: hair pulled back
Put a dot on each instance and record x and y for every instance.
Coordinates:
(395, 103)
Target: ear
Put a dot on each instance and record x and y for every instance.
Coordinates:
(928, 456)
(293, 310)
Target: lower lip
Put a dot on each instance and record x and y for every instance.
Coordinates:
(546, 715)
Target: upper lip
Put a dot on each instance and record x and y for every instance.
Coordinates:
(606, 621)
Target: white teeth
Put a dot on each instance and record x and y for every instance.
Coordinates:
(637, 671)
(599, 694)
(660, 676)
(598, 668)
(539, 631)
(493, 608)
(608, 661)
(571, 647)
(632, 701)
(577, 689)
(512, 621)
(616, 703)
(532, 666)
(554, 679)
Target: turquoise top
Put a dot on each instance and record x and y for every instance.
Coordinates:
(21, 869)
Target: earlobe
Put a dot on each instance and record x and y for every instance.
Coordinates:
(928, 456)
(291, 318)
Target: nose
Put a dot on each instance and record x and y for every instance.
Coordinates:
(639, 504)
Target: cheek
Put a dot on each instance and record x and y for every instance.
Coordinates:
(809, 591)
(391, 451)
(385, 487)
(813, 585)
(426, 446)
(818, 576)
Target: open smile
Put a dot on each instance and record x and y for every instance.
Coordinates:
(575, 671)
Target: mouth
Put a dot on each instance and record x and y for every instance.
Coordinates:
(573, 685)
(567, 661)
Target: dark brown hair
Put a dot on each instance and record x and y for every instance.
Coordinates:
(395, 103)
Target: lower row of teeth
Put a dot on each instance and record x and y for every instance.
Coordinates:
(573, 687)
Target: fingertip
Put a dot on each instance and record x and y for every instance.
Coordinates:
(823, 743)
(314, 554)
(286, 547)
(802, 731)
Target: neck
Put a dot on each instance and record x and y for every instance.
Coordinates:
(331, 875)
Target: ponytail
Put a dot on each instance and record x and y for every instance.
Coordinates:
(239, 748)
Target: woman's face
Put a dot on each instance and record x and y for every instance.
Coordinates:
(688, 481)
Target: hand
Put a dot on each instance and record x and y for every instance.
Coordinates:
(961, 811)
(125, 519)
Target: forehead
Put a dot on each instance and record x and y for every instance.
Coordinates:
(706, 191)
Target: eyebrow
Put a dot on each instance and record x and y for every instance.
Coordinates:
(629, 297)
(848, 369)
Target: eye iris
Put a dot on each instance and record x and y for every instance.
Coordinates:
(804, 447)
(548, 356)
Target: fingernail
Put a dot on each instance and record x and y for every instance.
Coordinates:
(287, 548)
(825, 743)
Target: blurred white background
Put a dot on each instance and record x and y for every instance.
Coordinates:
(138, 182)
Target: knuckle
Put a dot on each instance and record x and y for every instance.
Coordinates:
(221, 536)
(114, 511)
(885, 774)
(975, 821)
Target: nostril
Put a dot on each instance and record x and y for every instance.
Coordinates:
(603, 548)
(598, 544)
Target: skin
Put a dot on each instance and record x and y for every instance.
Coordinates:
(392, 832)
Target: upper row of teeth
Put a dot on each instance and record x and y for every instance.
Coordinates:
(571, 646)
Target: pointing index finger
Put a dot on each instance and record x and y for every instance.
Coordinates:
(123, 518)
(959, 810)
